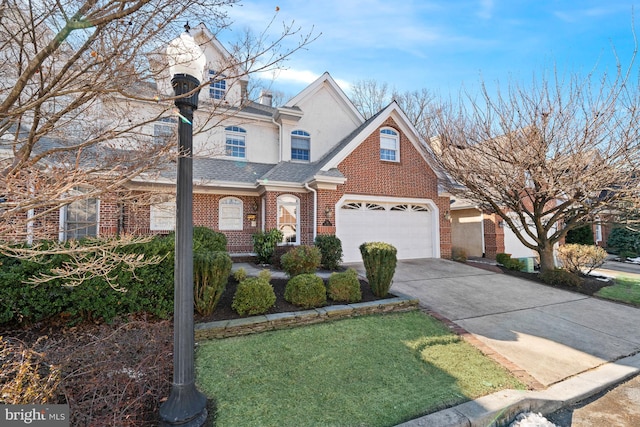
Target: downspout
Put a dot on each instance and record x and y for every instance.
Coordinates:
(315, 209)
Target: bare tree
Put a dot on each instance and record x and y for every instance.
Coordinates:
(370, 96)
(78, 95)
(544, 156)
(418, 106)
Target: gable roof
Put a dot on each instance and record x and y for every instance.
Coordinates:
(352, 141)
(325, 80)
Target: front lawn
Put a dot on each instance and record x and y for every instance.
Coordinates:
(375, 370)
(624, 289)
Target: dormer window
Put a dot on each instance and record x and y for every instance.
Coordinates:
(389, 144)
(235, 142)
(300, 145)
(217, 85)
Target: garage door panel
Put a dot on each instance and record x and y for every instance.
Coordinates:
(408, 230)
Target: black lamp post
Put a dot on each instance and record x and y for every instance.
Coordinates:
(186, 406)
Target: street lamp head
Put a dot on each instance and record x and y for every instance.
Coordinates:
(186, 56)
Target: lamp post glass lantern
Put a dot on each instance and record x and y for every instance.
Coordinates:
(186, 406)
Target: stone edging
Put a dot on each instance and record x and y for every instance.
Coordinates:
(269, 322)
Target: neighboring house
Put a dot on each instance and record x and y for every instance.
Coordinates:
(313, 166)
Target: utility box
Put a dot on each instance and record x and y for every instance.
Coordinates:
(528, 264)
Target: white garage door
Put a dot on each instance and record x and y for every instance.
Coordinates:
(407, 226)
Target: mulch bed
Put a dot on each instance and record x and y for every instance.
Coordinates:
(224, 311)
(589, 286)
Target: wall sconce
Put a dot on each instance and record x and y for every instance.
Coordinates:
(328, 212)
(501, 224)
(254, 206)
(447, 216)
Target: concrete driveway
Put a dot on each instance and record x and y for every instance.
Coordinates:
(549, 333)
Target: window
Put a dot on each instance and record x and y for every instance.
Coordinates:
(288, 221)
(230, 217)
(235, 144)
(80, 216)
(300, 145)
(162, 213)
(217, 85)
(165, 130)
(389, 145)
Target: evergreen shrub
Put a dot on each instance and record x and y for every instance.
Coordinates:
(240, 274)
(560, 277)
(264, 244)
(210, 275)
(380, 261)
(330, 250)
(306, 290)
(301, 260)
(624, 240)
(344, 286)
(253, 296)
(150, 290)
(502, 257)
(582, 235)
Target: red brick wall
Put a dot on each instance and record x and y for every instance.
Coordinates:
(493, 235)
(410, 177)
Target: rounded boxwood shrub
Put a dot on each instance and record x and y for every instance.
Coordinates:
(330, 251)
(344, 286)
(301, 260)
(253, 296)
(306, 290)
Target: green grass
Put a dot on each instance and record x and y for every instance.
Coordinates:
(372, 371)
(625, 290)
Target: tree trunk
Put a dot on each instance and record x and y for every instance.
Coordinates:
(547, 260)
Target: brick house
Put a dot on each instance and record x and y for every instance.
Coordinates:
(313, 166)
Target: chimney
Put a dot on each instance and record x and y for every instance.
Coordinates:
(266, 98)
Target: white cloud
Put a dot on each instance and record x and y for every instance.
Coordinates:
(486, 9)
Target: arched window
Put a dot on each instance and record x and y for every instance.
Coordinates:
(389, 145)
(235, 142)
(288, 218)
(300, 145)
(230, 217)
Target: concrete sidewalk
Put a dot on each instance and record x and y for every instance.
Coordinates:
(565, 341)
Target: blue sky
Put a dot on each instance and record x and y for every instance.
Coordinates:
(444, 45)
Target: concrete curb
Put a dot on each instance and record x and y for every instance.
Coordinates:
(502, 407)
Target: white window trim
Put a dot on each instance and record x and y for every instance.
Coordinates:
(162, 214)
(297, 205)
(62, 226)
(238, 134)
(306, 136)
(395, 137)
(227, 227)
